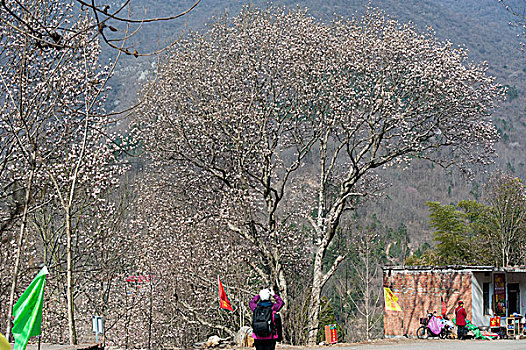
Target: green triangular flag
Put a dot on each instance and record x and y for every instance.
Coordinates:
(28, 311)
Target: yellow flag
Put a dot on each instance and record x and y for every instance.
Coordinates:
(4, 344)
(391, 301)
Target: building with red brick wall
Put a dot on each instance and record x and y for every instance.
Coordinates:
(485, 290)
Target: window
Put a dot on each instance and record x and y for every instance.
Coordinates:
(485, 297)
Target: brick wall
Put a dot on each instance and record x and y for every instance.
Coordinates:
(422, 290)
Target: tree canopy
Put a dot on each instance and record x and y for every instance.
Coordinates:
(474, 233)
(274, 121)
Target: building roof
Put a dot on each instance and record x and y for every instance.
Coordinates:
(456, 268)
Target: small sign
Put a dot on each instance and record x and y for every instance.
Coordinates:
(98, 324)
(494, 321)
(331, 334)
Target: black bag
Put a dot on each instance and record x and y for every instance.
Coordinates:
(262, 324)
(278, 326)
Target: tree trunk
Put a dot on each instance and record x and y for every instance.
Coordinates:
(27, 197)
(315, 300)
(367, 290)
(283, 287)
(69, 279)
(18, 254)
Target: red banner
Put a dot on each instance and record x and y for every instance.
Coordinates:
(224, 303)
(139, 279)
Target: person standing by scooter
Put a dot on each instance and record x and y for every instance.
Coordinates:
(461, 315)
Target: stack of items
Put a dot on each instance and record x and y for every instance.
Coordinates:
(514, 325)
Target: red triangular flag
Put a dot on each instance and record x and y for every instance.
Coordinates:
(224, 303)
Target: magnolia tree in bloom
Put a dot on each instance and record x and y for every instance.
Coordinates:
(275, 125)
(179, 242)
(57, 159)
(184, 258)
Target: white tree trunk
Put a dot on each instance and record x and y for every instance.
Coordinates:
(18, 254)
(315, 300)
(69, 279)
(367, 291)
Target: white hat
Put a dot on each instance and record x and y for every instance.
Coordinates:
(264, 294)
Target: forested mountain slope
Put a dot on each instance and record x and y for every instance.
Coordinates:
(481, 26)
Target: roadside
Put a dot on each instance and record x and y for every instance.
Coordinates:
(380, 344)
(417, 344)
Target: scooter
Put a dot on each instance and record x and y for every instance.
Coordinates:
(432, 326)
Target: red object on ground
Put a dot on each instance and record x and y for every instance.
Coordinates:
(494, 322)
(331, 334)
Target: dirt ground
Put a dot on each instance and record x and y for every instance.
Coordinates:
(381, 344)
(429, 344)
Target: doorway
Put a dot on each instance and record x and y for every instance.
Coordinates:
(513, 298)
